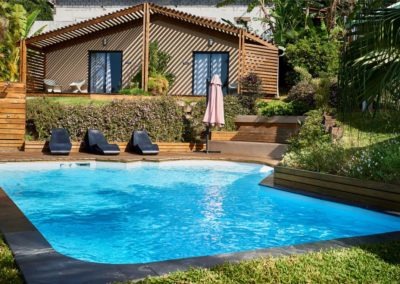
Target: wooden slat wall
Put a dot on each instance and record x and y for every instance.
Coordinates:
(180, 41)
(35, 71)
(223, 135)
(165, 147)
(262, 61)
(69, 64)
(366, 193)
(12, 115)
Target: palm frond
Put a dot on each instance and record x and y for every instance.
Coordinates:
(371, 59)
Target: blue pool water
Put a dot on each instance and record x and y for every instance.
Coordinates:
(144, 212)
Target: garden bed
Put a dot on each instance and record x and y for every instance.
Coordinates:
(368, 194)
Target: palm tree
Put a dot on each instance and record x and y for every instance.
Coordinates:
(371, 60)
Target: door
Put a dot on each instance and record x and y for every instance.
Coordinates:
(206, 65)
(105, 71)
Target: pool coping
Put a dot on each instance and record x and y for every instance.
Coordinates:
(40, 263)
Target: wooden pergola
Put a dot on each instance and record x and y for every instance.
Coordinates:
(255, 54)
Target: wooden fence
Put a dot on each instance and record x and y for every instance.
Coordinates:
(371, 194)
(12, 116)
(262, 61)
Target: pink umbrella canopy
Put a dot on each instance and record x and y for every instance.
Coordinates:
(214, 115)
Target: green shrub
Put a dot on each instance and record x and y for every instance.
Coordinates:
(134, 92)
(377, 162)
(316, 52)
(195, 126)
(250, 92)
(158, 65)
(158, 85)
(313, 149)
(161, 117)
(282, 108)
(303, 92)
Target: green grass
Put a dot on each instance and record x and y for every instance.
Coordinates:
(378, 263)
(366, 264)
(75, 101)
(8, 270)
(363, 129)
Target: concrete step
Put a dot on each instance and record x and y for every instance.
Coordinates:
(252, 149)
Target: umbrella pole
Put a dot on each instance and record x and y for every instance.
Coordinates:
(207, 138)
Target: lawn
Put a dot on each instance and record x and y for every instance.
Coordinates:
(367, 264)
(8, 270)
(365, 129)
(75, 100)
(100, 102)
(378, 263)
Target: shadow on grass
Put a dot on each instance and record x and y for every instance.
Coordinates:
(389, 252)
(384, 122)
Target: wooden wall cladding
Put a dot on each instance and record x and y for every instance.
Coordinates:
(165, 147)
(370, 194)
(223, 135)
(12, 115)
(275, 129)
(36, 63)
(262, 61)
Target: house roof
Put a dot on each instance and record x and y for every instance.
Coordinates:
(127, 15)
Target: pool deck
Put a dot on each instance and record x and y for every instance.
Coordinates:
(40, 263)
(130, 157)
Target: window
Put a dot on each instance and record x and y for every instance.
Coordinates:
(206, 65)
(105, 71)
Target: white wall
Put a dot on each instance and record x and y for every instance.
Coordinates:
(70, 15)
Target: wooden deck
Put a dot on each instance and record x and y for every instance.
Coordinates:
(129, 157)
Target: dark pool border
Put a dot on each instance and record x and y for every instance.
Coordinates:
(40, 263)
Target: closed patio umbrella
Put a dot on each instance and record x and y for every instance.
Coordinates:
(214, 115)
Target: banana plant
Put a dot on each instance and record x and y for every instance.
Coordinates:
(17, 26)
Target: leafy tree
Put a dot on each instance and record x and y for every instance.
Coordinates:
(43, 6)
(317, 52)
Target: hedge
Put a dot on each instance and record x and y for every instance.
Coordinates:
(195, 127)
(161, 117)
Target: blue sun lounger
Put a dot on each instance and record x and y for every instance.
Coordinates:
(59, 142)
(96, 143)
(141, 143)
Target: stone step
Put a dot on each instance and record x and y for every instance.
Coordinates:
(252, 149)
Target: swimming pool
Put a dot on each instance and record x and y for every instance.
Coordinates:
(143, 212)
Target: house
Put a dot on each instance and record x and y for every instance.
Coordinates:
(107, 51)
(67, 12)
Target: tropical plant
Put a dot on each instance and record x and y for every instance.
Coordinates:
(318, 52)
(18, 26)
(158, 65)
(370, 69)
(43, 6)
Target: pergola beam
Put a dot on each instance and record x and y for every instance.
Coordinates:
(145, 46)
(22, 61)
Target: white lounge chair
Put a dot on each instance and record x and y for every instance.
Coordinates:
(51, 86)
(77, 87)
